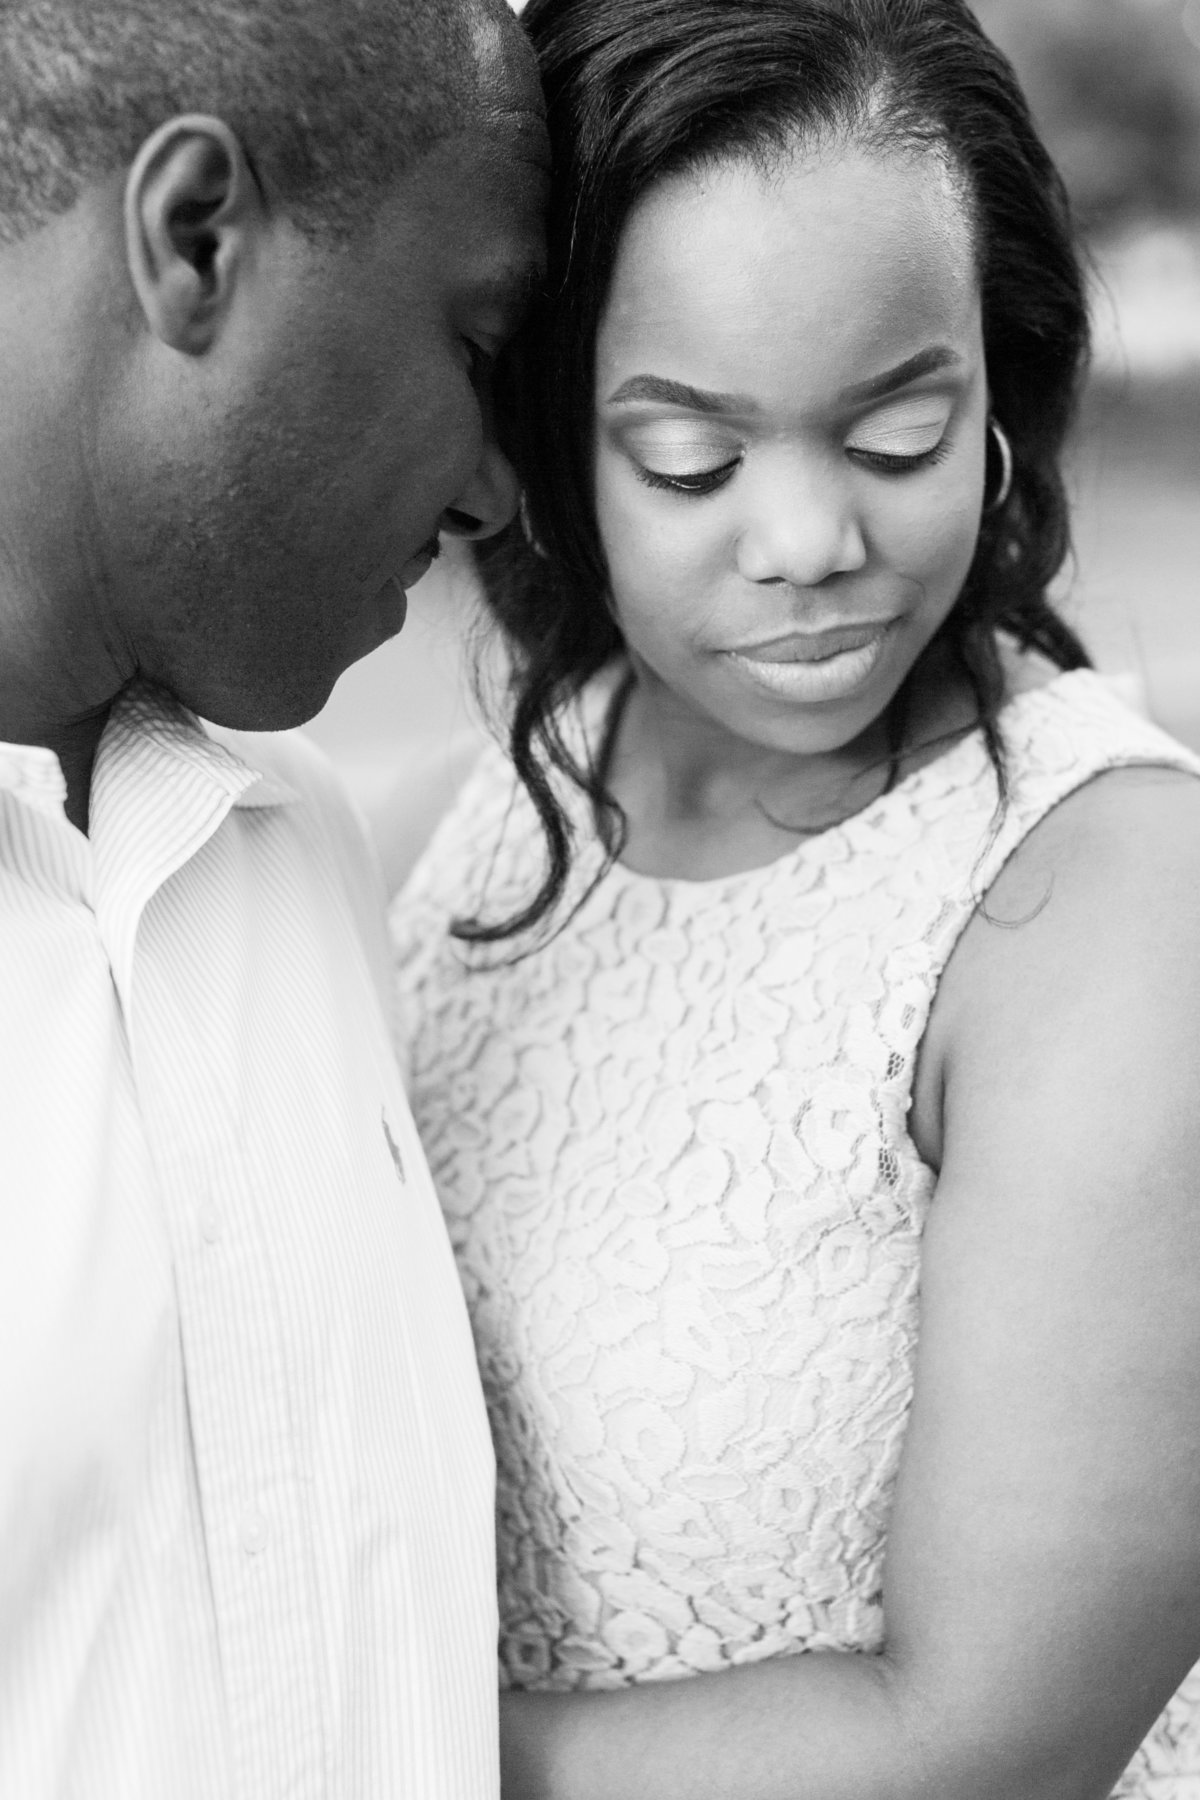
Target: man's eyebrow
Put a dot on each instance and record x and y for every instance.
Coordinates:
(678, 393)
(925, 362)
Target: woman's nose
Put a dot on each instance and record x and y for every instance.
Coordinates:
(488, 501)
(802, 526)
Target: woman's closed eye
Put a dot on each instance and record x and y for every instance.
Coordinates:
(688, 481)
(902, 439)
(682, 463)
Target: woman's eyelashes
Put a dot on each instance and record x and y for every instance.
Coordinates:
(905, 437)
(692, 481)
(707, 481)
(900, 462)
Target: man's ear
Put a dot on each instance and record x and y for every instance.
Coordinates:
(192, 210)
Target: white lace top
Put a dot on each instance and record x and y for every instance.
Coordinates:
(672, 1150)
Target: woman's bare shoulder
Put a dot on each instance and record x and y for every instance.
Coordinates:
(1086, 945)
(1129, 836)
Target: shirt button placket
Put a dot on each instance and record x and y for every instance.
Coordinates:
(253, 1531)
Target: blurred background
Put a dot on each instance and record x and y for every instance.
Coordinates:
(1115, 85)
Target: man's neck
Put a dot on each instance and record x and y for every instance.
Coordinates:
(51, 694)
(63, 662)
(58, 680)
(76, 746)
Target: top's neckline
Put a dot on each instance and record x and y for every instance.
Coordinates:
(832, 842)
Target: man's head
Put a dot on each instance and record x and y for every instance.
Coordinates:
(255, 256)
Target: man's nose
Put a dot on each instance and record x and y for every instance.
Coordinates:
(801, 526)
(488, 501)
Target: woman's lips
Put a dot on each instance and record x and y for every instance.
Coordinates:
(810, 666)
(814, 646)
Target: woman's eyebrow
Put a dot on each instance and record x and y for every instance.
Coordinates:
(925, 362)
(658, 388)
(678, 393)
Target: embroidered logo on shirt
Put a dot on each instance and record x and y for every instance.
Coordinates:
(393, 1146)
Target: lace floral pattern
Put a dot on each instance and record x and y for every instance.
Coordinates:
(671, 1146)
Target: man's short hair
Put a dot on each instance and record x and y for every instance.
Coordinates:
(332, 99)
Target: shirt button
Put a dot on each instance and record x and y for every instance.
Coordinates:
(210, 1223)
(253, 1531)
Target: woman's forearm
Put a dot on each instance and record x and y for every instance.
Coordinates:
(746, 1734)
(814, 1727)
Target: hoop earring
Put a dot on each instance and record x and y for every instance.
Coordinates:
(1006, 465)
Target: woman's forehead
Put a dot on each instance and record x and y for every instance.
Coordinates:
(818, 262)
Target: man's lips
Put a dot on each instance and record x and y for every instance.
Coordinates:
(377, 575)
(419, 565)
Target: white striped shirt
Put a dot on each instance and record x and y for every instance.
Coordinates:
(245, 1477)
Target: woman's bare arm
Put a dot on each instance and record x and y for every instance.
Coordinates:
(1042, 1594)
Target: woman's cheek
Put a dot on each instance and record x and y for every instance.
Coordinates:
(617, 505)
(955, 546)
(934, 544)
(643, 571)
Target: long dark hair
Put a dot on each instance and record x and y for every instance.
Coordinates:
(641, 89)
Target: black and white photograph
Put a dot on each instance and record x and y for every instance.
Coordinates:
(599, 900)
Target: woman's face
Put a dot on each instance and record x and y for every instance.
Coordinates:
(791, 406)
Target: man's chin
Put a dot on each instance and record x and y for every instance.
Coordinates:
(289, 688)
(279, 705)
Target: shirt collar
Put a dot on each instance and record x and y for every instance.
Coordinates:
(31, 773)
(148, 725)
(161, 789)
